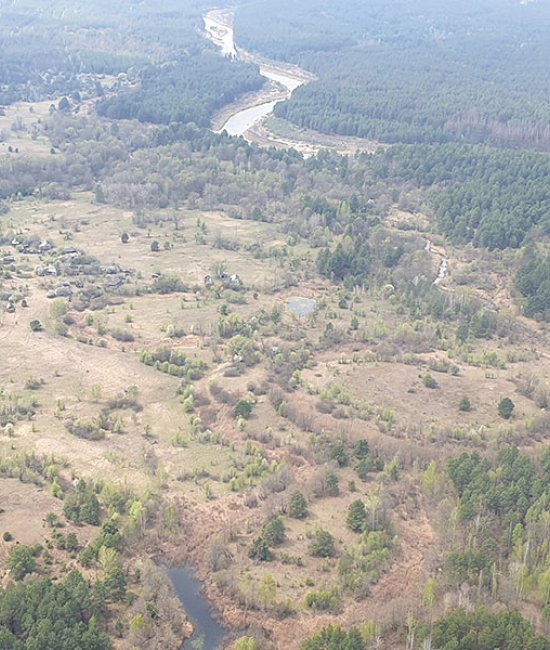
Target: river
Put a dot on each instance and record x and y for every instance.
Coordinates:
(217, 29)
(208, 633)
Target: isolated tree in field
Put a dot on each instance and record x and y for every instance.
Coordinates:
(259, 550)
(243, 409)
(125, 238)
(297, 508)
(361, 449)
(21, 561)
(268, 591)
(155, 247)
(357, 516)
(506, 408)
(465, 405)
(274, 532)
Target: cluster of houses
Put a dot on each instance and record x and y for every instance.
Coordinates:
(226, 279)
(68, 262)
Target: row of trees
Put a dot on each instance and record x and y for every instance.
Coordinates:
(460, 630)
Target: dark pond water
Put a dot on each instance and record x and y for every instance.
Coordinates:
(208, 634)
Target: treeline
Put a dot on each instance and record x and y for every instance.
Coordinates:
(185, 166)
(189, 90)
(488, 196)
(410, 72)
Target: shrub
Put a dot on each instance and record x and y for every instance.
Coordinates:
(430, 382)
(323, 600)
(36, 325)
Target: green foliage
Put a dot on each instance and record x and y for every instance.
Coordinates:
(334, 638)
(482, 630)
(533, 281)
(246, 643)
(357, 516)
(274, 532)
(21, 561)
(362, 565)
(188, 90)
(489, 196)
(361, 449)
(174, 362)
(350, 259)
(506, 408)
(47, 616)
(297, 507)
(259, 550)
(243, 409)
(82, 505)
(323, 600)
(166, 282)
(367, 465)
(332, 488)
(322, 544)
(465, 405)
(507, 490)
(429, 381)
(36, 325)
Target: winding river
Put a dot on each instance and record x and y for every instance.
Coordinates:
(208, 633)
(218, 30)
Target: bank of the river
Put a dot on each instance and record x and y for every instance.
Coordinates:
(251, 115)
(282, 79)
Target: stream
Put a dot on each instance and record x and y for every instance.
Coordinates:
(223, 36)
(208, 633)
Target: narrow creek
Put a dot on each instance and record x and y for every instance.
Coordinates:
(223, 36)
(208, 633)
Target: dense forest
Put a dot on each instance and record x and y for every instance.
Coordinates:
(413, 72)
(49, 616)
(488, 196)
(188, 90)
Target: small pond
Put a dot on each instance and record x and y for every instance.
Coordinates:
(301, 306)
(208, 632)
